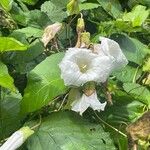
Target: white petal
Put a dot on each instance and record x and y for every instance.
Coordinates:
(80, 105)
(87, 101)
(95, 104)
(112, 49)
(98, 68)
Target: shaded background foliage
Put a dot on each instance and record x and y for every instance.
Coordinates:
(30, 83)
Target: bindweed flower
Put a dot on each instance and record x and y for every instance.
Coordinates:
(111, 49)
(50, 32)
(80, 65)
(17, 139)
(88, 101)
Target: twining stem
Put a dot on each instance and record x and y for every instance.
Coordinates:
(109, 125)
(134, 77)
(38, 124)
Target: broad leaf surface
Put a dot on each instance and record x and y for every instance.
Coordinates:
(137, 16)
(5, 79)
(11, 44)
(134, 50)
(55, 12)
(44, 84)
(138, 91)
(69, 131)
(6, 4)
(9, 112)
(127, 74)
(112, 7)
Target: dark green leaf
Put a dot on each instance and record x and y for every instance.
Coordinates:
(69, 131)
(112, 7)
(138, 91)
(128, 74)
(9, 112)
(55, 13)
(44, 84)
(134, 50)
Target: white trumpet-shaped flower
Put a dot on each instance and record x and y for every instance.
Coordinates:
(17, 139)
(80, 65)
(111, 49)
(88, 101)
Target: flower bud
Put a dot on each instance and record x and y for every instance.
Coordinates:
(80, 25)
(17, 139)
(85, 39)
(73, 7)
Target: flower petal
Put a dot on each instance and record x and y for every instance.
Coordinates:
(95, 104)
(98, 68)
(87, 101)
(80, 105)
(112, 49)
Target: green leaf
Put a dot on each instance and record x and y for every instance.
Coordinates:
(35, 19)
(112, 7)
(55, 13)
(9, 112)
(5, 79)
(134, 50)
(88, 6)
(137, 16)
(11, 44)
(73, 7)
(138, 91)
(6, 4)
(146, 66)
(30, 32)
(69, 131)
(27, 60)
(125, 109)
(128, 74)
(30, 2)
(44, 84)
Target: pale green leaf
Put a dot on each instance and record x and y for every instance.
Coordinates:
(88, 6)
(30, 32)
(146, 66)
(6, 4)
(5, 79)
(73, 7)
(30, 2)
(137, 16)
(44, 84)
(69, 131)
(11, 44)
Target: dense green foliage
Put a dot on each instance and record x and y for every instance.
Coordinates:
(30, 82)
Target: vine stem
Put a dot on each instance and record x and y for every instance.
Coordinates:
(38, 124)
(109, 125)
